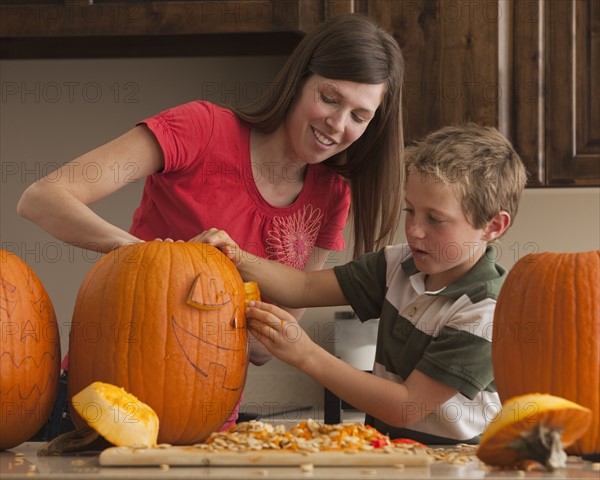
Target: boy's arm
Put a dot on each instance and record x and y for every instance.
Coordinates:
(396, 404)
(279, 283)
(293, 288)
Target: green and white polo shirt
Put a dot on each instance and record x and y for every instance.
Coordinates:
(444, 334)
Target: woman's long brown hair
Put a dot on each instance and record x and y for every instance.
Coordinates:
(353, 48)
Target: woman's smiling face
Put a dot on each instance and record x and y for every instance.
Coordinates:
(329, 116)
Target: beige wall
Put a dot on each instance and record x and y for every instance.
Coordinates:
(55, 110)
(52, 111)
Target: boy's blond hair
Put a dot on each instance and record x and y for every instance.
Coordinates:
(479, 161)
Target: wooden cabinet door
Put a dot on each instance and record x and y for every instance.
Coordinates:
(450, 49)
(555, 117)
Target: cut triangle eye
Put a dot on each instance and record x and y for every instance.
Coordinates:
(208, 294)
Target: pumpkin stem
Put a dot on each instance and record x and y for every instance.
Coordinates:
(252, 291)
(81, 440)
(542, 444)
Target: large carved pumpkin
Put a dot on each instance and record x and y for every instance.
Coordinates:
(166, 322)
(546, 335)
(29, 352)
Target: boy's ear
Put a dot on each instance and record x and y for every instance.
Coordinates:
(496, 226)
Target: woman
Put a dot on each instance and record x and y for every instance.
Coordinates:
(278, 175)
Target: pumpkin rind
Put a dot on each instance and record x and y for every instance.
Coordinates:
(30, 352)
(133, 328)
(546, 335)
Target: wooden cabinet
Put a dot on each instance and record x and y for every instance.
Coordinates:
(108, 28)
(451, 54)
(555, 117)
(530, 67)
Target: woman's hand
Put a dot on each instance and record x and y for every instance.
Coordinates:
(221, 240)
(279, 332)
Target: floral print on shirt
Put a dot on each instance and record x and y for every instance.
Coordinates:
(292, 238)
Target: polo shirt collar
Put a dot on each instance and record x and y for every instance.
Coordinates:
(486, 269)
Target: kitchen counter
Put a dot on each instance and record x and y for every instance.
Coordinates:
(23, 462)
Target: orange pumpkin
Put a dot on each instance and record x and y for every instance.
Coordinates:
(29, 352)
(166, 322)
(546, 335)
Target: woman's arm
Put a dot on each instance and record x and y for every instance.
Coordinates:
(58, 203)
(397, 404)
(316, 262)
(279, 283)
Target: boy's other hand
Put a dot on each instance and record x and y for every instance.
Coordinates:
(279, 332)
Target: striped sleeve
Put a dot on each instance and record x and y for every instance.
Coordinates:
(363, 282)
(461, 354)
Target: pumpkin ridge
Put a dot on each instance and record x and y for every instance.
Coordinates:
(209, 272)
(121, 365)
(590, 383)
(555, 266)
(139, 384)
(170, 257)
(187, 422)
(545, 304)
(163, 399)
(572, 336)
(579, 329)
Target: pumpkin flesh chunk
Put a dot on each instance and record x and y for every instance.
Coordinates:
(117, 415)
(533, 427)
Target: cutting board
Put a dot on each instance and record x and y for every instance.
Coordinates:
(192, 456)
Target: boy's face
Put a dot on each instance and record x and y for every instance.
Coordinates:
(443, 242)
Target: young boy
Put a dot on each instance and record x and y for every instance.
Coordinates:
(435, 295)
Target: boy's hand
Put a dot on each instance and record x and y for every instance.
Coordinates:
(279, 332)
(221, 240)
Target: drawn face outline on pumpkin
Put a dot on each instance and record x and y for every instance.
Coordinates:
(208, 364)
(328, 116)
(444, 244)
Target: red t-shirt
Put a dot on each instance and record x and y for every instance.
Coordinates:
(208, 181)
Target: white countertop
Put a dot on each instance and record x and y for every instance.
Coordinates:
(22, 462)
